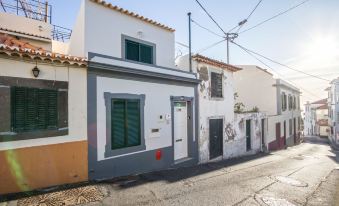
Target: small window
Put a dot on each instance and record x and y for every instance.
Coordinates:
(139, 52)
(216, 85)
(283, 102)
(33, 109)
(125, 119)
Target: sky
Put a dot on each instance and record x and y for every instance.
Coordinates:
(306, 38)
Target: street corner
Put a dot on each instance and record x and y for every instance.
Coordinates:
(69, 197)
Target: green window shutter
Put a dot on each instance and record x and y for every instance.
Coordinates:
(146, 54)
(31, 113)
(52, 109)
(118, 123)
(133, 122)
(33, 109)
(42, 104)
(18, 108)
(132, 50)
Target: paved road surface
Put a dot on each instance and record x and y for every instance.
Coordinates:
(306, 174)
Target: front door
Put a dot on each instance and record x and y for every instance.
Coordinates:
(277, 134)
(216, 131)
(248, 135)
(263, 133)
(284, 132)
(295, 130)
(180, 130)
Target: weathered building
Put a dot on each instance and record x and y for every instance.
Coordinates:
(257, 89)
(222, 134)
(43, 112)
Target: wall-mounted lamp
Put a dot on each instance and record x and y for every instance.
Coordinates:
(36, 71)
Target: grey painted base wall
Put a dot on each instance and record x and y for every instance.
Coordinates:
(290, 141)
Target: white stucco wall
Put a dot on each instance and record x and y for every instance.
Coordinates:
(103, 33)
(255, 88)
(213, 108)
(157, 102)
(77, 99)
(237, 147)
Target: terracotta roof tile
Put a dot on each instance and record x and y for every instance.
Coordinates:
(24, 33)
(322, 101)
(213, 62)
(11, 46)
(132, 14)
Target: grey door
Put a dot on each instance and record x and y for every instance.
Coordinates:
(248, 135)
(263, 132)
(216, 131)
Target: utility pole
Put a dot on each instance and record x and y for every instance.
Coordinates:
(230, 37)
(189, 41)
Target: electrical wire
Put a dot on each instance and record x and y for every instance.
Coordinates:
(248, 52)
(210, 31)
(210, 46)
(249, 16)
(210, 16)
(276, 62)
(275, 16)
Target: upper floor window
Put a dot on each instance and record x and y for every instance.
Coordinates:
(283, 102)
(290, 102)
(216, 85)
(139, 52)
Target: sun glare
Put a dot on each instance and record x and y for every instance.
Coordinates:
(323, 48)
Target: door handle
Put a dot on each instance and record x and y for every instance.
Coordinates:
(178, 140)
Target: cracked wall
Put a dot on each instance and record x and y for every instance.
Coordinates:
(236, 147)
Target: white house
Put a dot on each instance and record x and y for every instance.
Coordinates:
(333, 110)
(216, 104)
(141, 109)
(43, 112)
(256, 88)
(309, 119)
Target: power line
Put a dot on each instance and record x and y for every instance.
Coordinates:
(248, 52)
(209, 15)
(241, 24)
(276, 62)
(182, 44)
(210, 31)
(275, 16)
(210, 46)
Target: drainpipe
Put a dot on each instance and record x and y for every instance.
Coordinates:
(190, 41)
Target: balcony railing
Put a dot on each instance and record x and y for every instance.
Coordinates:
(61, 34)
(34, 9)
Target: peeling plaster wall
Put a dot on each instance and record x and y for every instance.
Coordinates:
(213, 108)
(237, 147)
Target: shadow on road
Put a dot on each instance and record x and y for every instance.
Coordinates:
(179, 174)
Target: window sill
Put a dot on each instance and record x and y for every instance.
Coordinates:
(122, 151)
(13, 136)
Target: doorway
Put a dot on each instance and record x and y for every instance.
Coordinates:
(180, 130)
(216, 137)
(248, 135)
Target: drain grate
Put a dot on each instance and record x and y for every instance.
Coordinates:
(291, 181)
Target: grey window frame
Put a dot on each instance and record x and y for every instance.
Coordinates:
(123, 49)
(109, 152)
